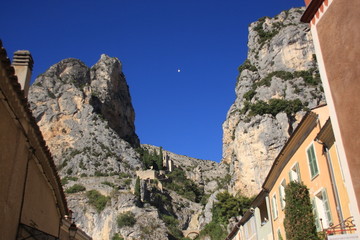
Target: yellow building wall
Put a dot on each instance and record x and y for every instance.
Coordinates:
(340, 183)
(322, 180)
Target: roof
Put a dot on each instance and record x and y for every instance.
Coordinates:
(248, 214)
(326, 134)
(311, 10)
(301, 132)
(11, 92)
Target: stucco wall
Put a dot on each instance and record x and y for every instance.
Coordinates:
(13, 159)
(39, 203)
(339, 39)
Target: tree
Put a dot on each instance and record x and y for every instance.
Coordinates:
(299, 220)
(137, 188)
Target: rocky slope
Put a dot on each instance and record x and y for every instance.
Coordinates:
(277, 83)
(87, 120)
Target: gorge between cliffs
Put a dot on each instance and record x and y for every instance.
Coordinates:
(119, 188)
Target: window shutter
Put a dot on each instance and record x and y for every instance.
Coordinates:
(274, 207)
(316, 216)
(281, 196)
(312, 161)
(298, 172)
(326, 206)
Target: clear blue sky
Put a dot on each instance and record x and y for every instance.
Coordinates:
(207, 40)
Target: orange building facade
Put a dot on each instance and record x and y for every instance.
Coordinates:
(334, 27)
(310, 156)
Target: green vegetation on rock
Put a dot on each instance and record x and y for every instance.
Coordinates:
(184, 186)
(247, 65)
(117, 237)
(275, 106)
(97, 200)
(227, 206)
(265, 35)
(151, 159)
(75, 188)
(126, 219)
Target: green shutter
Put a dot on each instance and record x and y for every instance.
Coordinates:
(312, 161)
(326, 206)
(316, 216)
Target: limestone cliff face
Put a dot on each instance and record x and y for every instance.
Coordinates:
(276, 84)
(87, 119)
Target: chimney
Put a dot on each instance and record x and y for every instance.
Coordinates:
(23, 64)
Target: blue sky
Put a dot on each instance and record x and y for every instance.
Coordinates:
(207, 40)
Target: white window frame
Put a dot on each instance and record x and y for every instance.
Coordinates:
(282, 187)
(275, 213)
(297, 167)
(322, 209)
(312, 145)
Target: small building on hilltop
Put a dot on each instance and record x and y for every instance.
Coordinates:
(32, 201)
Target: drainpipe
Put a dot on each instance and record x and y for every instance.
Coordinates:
(333, 183)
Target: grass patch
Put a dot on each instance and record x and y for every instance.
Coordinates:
(97, 200)
(75, 188)
(126, 219)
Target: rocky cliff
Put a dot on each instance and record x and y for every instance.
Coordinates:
(87, 119)
(277, 83)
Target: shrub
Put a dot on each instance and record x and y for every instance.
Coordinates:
(124, 175)
(276, 106)
(311, 77)
(266, 81)
(100, 174)
(172, 224)
(229, 206)
(97, 200)
(299, 220)
(127, 182)
(249, 94)
(264, 35)
(214, 231)
(109, 184)
(75, 188)
(247, 65)
(126, 219)
(117, 237)
(183, 186)
(66, 179)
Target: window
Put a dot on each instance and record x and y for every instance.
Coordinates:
(274, 207)
(263, 212)
(321, 210)
(294, 173)
(314, 169)
(282, 194)
(279, 235)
